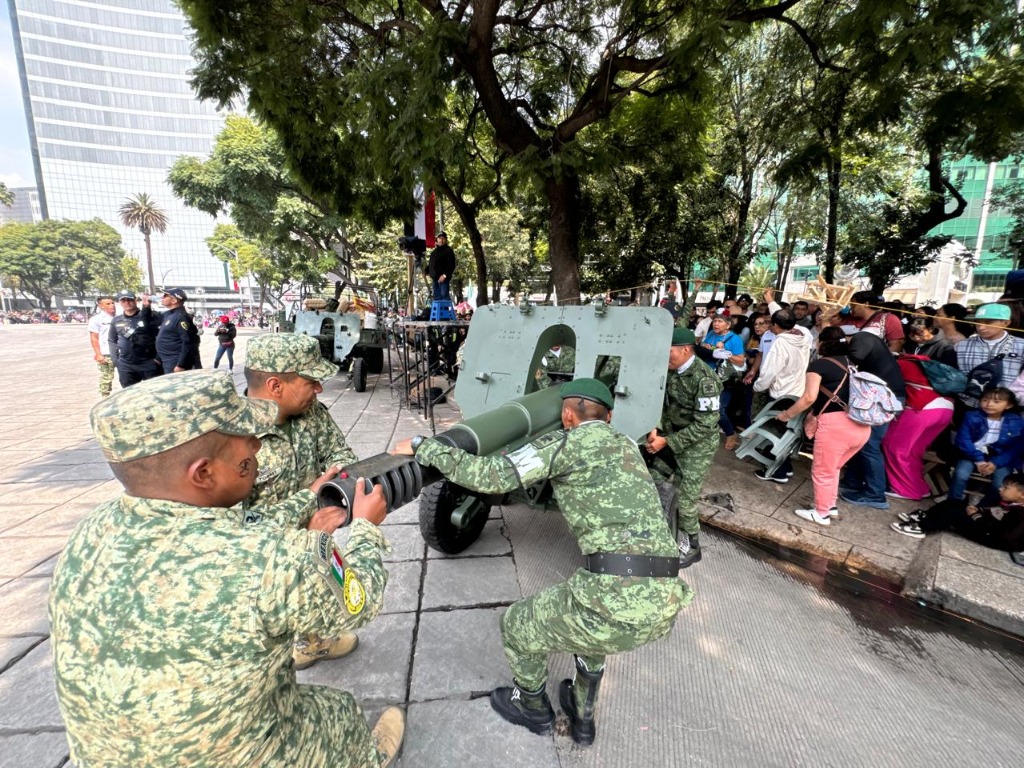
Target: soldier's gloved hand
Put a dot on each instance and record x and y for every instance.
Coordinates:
(372, 506)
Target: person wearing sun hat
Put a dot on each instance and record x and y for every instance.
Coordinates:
(990, 345)
(611, 505)
(172, 610)
(288, 369)
(681, 447)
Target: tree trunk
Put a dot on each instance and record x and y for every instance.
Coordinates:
(149, 264)
(834, 169)
(735, 260)
(563, 196)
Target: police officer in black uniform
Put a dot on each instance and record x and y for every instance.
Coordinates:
(177, 343)
(133, 340)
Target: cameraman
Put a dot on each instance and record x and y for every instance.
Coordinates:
(441, 267)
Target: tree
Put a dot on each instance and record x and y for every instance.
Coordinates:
(142, 213)
(6, 195)
(1010, 199)
(58, 255)
(544, 73)
(246, 177)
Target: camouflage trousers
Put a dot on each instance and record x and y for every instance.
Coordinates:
(687, 475)
(553, 621)
(106, 376)
(331, 730)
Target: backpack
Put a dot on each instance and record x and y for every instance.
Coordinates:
(987, 375)
(944, 379)
(871, 401)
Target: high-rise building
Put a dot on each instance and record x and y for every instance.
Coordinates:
(26, 206)
(110, 108)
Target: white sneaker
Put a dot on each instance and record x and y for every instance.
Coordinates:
(813, 516)
(834, 512)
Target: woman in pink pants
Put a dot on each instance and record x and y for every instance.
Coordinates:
(926, 415)
(836, 437)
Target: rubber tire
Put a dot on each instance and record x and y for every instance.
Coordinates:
(359, 374)
(669, 496)
(437, 502)
(374, 357)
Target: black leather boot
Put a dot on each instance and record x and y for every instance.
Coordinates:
(530, 709)
(693, 554)
(578, 698)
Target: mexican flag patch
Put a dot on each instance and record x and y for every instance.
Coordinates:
(338, 569)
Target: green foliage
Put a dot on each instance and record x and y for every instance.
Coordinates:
(246, 177)
(58, 255)
(142, 213)
(756, 278)
(6, 195)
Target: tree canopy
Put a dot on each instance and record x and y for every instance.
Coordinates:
(61, 256)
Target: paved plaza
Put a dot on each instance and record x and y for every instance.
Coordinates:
(770, 666)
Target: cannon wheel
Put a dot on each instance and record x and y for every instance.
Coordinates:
(359, 374)
(437, 503)
(374, 357)
(669, 496)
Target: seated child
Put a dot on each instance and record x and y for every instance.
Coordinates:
(989, 442)
(998, 527)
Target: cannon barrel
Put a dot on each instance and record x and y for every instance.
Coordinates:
(402, 478)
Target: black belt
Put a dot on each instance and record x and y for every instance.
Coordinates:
(616, 564)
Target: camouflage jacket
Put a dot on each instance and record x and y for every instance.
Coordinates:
(565, 362)
(689, 419)
(172, 629)
(293, 455)
(607, 497)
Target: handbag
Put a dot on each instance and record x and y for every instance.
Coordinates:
(811, 422)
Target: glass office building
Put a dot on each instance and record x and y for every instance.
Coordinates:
(106, 89)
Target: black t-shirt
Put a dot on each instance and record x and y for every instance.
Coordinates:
(831, 377)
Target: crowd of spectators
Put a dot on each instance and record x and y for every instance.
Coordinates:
(797, 359)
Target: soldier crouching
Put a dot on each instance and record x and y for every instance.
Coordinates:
(174, 613)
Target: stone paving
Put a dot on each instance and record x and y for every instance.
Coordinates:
(435, 648)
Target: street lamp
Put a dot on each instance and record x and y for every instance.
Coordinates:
(163, 278)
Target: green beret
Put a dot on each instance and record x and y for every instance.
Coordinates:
(588, 389)
(682, 336)
(162, 413)
(992, 312)
(288, 353)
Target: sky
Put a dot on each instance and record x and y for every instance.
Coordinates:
(15, 156)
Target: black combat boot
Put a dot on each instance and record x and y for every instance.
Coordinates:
(578, 698)
(531, 709)
(691, 555)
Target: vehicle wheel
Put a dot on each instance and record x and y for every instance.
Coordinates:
(669, 496)
(359, 374)
(374, 357)
(437, 503)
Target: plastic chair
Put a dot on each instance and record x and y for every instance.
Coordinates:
(770, 442)
(442, 309)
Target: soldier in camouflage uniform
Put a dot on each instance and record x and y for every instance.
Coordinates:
(682, 446)
(288, 369)
(611, 505)
(560, 360)
(173, 613)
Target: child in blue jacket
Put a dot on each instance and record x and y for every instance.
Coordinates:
(990, 442)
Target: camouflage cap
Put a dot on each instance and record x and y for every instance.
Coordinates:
(683, 336)
(288, 353)
(159, 414)
(588, 389)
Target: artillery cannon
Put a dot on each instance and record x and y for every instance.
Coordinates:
(627, 347)
(346, 326)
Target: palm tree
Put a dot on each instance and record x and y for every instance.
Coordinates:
(141, 213)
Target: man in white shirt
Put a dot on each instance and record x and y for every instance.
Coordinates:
(99, 337)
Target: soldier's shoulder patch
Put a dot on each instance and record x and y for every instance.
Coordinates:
(251, 517)
(184, 325)
(355, 595)
(550, 438)
(709, 387)
(323, 546)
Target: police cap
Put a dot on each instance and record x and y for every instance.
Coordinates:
(177, 293)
